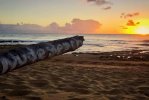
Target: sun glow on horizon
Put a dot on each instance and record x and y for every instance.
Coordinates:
(142, 30)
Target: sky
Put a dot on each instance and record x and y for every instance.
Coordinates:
(79, 16)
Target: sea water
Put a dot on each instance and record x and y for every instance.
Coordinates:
(93, 42)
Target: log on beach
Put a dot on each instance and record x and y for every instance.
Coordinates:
(25, 55)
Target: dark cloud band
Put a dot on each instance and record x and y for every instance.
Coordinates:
(75, 26)
(100, 2)
(129, 15)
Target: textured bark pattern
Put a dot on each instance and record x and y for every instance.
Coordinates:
(32, 53)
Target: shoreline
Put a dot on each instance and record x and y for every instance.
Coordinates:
(129, 55)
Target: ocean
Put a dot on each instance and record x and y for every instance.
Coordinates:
(94, 43)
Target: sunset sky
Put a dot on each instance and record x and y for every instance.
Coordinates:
(88, 16)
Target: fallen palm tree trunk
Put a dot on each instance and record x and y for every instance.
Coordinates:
(25, 55)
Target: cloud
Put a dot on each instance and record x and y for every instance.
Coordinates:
(21, 28)
(124, 27)
(100, 2)
(75, 26)
(129, 15)
(53, 28)
(129, 22)
(107, 4)
(132, 23)
(107, 8)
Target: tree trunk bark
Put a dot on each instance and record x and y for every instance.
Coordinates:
(25, 55)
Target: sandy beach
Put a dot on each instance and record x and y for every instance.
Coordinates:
(121, 75)
(74, 49)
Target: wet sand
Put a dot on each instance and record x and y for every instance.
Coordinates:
(120, 75)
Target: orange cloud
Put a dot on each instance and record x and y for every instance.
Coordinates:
(132, 23)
